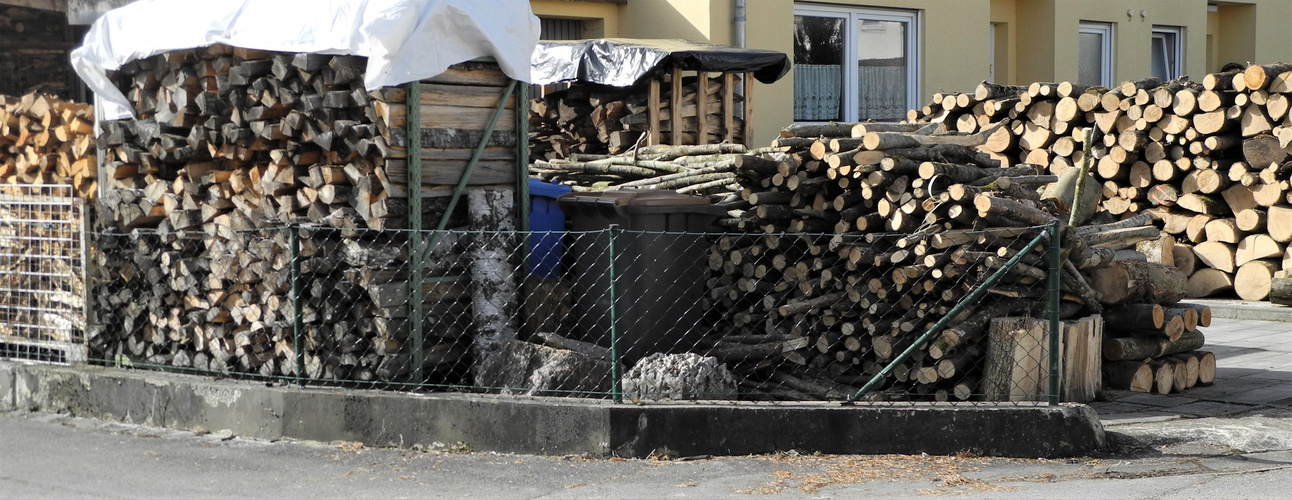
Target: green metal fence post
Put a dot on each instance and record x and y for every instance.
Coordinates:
(616, 380)
(416, 251)
(1056, 330)
(297, 344)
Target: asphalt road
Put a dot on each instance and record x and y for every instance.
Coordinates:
(53, 456)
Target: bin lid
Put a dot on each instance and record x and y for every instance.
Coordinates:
(546, 189)
(641, 201)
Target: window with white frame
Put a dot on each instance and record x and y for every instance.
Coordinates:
(1095, 54)
(854, 63)
(1168, 52)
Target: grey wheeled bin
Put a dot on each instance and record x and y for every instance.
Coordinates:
(661, 269)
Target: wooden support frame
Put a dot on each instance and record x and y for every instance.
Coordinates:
(729, 124)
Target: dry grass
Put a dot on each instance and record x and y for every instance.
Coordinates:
(810, 474)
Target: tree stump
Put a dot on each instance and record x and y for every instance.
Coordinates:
(1017, 366)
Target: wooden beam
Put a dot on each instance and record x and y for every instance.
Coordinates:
(749, 108)
(653, 111)
(701, 108)
(728, 104)
(676, 107)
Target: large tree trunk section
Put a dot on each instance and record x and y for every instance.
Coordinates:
(1136, 316)
(493, 280)
(1017, 365)
(1208, 283)
(1131, 348)
(1253, 280)
(1134, 376)
(1184, 258)
(1217, 255)
(1257, 246)
(1262, 150)
(1279, 223)
(1281, 291)
(1127, 282)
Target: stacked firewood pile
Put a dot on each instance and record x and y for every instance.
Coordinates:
(1209, 160)
(235, 150)
(45, 140)
(699, 169)
(910, 223)
(1153, 348)
(588, 119)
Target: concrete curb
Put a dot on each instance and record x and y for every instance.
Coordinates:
(1242, 309)
(549, 426)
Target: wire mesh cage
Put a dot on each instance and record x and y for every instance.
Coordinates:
(42, 286)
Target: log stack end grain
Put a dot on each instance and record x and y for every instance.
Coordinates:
(234, 154)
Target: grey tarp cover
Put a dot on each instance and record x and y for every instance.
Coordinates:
(623, 62)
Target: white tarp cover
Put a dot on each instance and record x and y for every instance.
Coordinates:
(404, 40)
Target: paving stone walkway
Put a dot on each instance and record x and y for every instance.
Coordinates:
(1253, 372)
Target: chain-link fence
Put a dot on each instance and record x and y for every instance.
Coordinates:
(955, 315)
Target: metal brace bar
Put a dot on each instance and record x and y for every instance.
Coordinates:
(955, 311)
(1056, 267)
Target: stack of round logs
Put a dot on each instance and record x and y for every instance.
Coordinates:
(1209, 160)
(853, 240)
(695, 169)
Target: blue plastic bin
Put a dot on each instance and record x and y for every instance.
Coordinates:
(547, 220)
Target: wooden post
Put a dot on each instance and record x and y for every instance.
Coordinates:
(749, 108)
(728, 107)
(652, 110)
(702, 107)
(675, 103)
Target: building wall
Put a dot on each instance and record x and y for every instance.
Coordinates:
(1133, 22)
(601, 19)
(1036, 40)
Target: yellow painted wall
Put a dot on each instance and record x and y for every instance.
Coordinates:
(1273, 18)
(1237, 40)
(954, 41)
(1132, 34)
(1034, 43)
(1004, 17)
(1040, 36)
(684, 19)
(601, 19)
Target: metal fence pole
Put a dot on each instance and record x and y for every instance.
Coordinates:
(417, 251)
(297, 344)
(1056, 330)
(616, 380)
